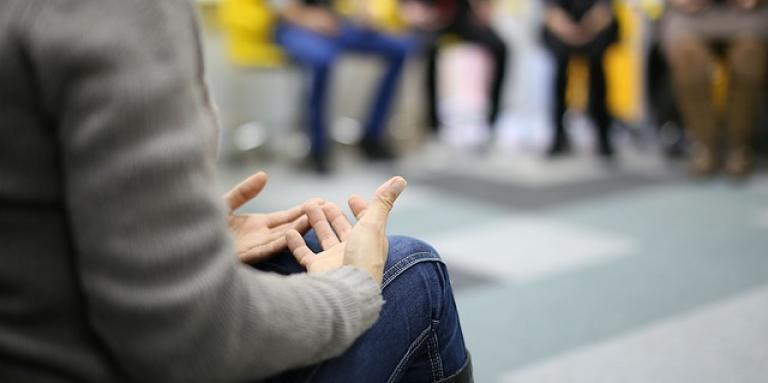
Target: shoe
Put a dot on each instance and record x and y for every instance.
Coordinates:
(559, 147)
(318, 163)
(702, 161)
(377, 150)
(739, 162)
(605, 150)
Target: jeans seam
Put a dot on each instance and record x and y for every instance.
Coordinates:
(402, 265)
(412, 349)
(433, 348)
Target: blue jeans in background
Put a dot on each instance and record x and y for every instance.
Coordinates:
(319, 53)
(417, 338)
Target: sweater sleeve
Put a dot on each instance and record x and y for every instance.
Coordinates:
(121, 82)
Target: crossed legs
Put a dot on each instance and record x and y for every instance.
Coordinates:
(417, 338)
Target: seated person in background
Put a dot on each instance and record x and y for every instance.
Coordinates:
(119, 259)
(694, 32)
(586, 28)
(312, 34)
(470, 20)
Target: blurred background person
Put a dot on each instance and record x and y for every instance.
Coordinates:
(467, 20)
(311, 33)
(580, 28)
(694, 34)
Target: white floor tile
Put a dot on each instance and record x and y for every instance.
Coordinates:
(526, 247)
(723, 342)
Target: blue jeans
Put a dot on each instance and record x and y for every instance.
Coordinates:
(417, 338)
(319, 52)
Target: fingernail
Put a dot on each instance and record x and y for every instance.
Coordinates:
(398, 184)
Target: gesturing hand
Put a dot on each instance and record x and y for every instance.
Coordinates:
(332, 228)
(260, 236)
(363, 245)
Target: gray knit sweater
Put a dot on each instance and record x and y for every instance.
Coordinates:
(115, 260)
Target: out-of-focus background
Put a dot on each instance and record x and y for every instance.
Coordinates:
(577, 268)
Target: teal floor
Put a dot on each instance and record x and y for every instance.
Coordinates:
(578, 271)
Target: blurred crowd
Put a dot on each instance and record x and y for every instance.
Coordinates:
(705, 66)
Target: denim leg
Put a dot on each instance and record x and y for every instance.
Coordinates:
(318, 54)
(417, 338)
(394, 50)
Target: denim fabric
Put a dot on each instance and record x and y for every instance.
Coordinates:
(318, 53)
(417, 338)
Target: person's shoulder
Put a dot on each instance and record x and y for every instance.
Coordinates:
(11, 11)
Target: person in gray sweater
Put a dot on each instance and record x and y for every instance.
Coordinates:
(118, 261)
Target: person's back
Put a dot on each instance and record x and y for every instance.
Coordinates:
(43, 329)
(116, 262)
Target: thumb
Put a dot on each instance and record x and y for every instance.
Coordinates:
(246, 190)
(384, 199)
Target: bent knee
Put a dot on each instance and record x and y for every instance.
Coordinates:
(401, 246)
(410, 256)
(684, 52)
(747, 60)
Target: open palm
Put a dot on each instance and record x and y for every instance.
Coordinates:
(363, 245)
(260, 236)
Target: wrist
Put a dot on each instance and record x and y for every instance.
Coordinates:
(374, 269)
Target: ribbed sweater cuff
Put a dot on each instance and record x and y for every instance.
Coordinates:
(366, 295)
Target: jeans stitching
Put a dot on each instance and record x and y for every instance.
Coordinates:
(428, 335)
(404, 264)
(433, 347)
(412, 349)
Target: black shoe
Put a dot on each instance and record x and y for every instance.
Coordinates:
(605, 150)
(377, 150)
(559, 147)
(318, 163)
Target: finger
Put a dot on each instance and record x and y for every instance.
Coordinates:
(338, 220)
(298, 247)
(384, 199)
(263, 251)
(245, 190)
(290, 215)
(358, 205)
(302, 224)
(319, 222)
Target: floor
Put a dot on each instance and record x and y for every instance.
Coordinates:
(576, 270)
(570, 270)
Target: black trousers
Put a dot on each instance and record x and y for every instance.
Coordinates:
(482, 35)
(594, 51)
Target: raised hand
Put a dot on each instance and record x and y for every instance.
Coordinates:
(363, 245)
(260, 236)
